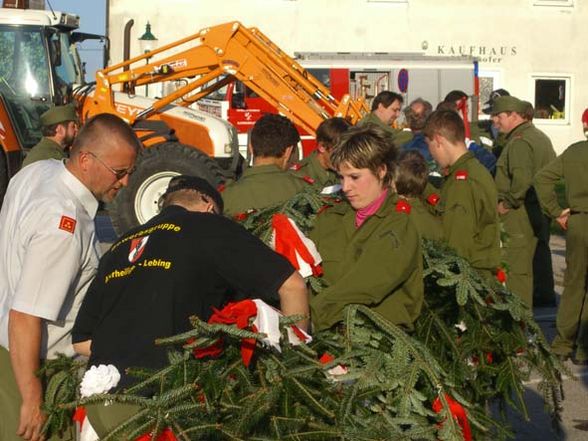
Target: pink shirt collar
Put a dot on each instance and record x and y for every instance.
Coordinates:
(363, 213)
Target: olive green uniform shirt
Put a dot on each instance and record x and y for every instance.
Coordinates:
(311, 167)
(571, 165)
(527, 150)
(45, 149)
(427, 225)
(378, 265)
(468, 207)
(399, 136)
(261, 187)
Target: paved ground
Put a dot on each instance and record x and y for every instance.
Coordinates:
(574, 422)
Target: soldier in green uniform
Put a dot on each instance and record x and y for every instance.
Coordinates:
(386, 108)
(268, 182)
(572, 315)
(525, 153)
(410, 182)
(468, 195)
(370, 249)
(60, 127)
(317, 165)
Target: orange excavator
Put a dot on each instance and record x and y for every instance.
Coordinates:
(177, 138)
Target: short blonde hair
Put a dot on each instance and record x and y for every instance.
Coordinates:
(368, 147)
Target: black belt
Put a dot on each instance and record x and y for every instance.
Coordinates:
(572, 212)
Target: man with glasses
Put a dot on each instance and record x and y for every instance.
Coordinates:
(48, 256)
(59, 128)
(183, 262)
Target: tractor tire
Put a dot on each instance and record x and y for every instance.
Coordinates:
(3, 176)
(139, 201)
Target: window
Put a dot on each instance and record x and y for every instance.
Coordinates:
(552, 99)
(561, 3)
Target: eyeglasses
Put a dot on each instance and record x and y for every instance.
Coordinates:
(119, 174)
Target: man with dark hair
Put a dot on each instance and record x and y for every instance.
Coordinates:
(468, 194)
(268, 182)
(386, 108)
(410, 181)
(317, 165)
(416, 116)
(59, 129)
(185, 261)
(526, 152)
(48, 256)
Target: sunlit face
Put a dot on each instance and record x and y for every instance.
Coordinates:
(360, 185)
(110, 172)
(437, 152)
(504, 122)
(389, 114)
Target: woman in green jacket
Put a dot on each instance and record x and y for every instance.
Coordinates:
(370, 248)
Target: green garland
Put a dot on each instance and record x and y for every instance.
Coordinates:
(392, 377)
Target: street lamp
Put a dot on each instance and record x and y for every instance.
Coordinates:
(147, 43)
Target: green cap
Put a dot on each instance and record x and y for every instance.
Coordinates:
(508, 104)
(58, 114)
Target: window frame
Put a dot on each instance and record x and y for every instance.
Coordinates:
(554, 3)
(568, 78)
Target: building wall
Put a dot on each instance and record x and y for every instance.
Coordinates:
(514, 39)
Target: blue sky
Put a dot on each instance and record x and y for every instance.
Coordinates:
(92, 20)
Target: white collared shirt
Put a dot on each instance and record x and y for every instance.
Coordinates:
(48, 251)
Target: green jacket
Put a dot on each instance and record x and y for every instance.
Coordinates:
(427, 225)
(260, 187)
(311, 167)
(379, 265)
(399, 136)
(571, 165)
(470, 220)
(45, 149)
(527, 150)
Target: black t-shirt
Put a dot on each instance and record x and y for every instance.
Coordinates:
(179, 264)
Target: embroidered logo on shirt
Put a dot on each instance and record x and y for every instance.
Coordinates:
(67, 224)
(403, 206)
(461, 175)
(433, 199)
(137, 248)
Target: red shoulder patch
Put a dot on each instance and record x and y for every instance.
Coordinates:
(295, 167)
(308, 180)
(402, 206)
(433, 199)
(221, 187)
(461, 175)
(67, 224)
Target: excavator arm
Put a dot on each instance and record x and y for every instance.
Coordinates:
(215, 56)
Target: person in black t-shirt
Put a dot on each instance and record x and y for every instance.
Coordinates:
(183, 262)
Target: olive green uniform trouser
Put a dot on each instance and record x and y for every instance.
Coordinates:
(10, 402)
(518, 251)
(106, 418)
(572, 315)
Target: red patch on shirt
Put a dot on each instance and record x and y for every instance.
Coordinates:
(461, 175)
(67, 224)
(433, 199)
(295, 167)
(220, 188)
(403, 206)
(308, 180)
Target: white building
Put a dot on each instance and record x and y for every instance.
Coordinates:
(533, 48)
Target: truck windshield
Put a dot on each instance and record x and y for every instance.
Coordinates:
(24, 79)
